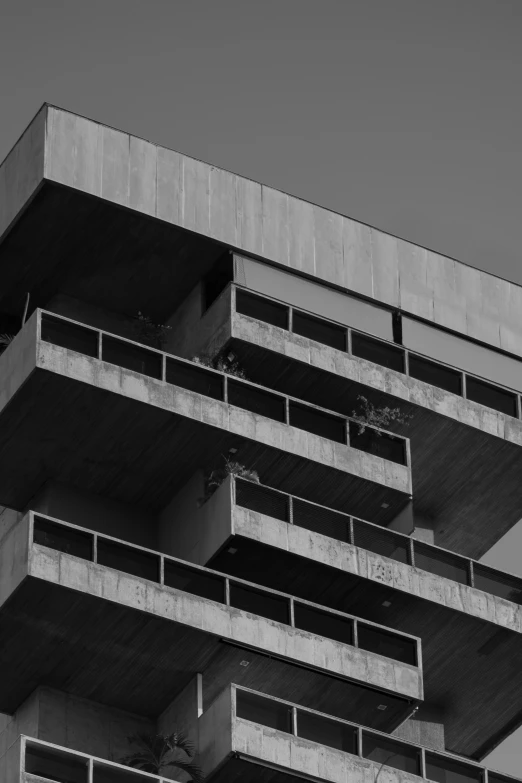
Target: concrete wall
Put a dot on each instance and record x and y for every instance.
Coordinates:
(215, 731)
(78, 724)
(194, 532)
(111, 517)
(100, 318)
(425, 728)
(8, 518)
(198, 333)
(182, 714)
(14, 549)
(18, 361)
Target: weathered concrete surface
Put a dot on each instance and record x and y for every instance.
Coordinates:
(290, 754)
(224, 622)
(14, 558)
(219, 414)
(18, 360)
(384, 570)
(10, 753)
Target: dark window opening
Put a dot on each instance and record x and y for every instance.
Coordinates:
(375, 640)
(304, 417)
(221, 274)
(397, 327)
(131, 357)
(193, 581)
(381, 541)
(195, 379)
(392, 754)
(320, 330)
(258, 498)
(103, 773)
(435, 374)
(63, 539)
(442, 563)
(497, 583)
(321, 520)
(378, 443)
(257, 400)
(378, 352)
(267, 712)
(444, 770)
(262, 309)
(274, 607)
(69, 335)
(128, 559)
(491, 396)
(325, 731)
(331, 626)
(56, 765)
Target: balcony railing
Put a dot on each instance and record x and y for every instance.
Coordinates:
(237, 593)
(367, 535)
(48, 762)
(220, 386)
(354, 739)
(374, 349)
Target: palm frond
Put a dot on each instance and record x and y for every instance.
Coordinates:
(195, 772)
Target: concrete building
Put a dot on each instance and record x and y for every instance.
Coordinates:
(251, 452)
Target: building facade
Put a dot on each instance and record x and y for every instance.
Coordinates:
(251, 452)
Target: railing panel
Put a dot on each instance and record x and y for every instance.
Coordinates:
(379, 443)
(331, 733)
(69, 335)
(262, 309)
(256, 400)
(406, 758)
(266, 711)
(259, 602)
(326, 425)
(105, 773)
(381, 541)
(128, 559)
(63, 539)
(327, 624)
(320, 330)
(388, 644)
(438, 561)
(194, 581)
(320, 519)
(491, 396)
(442, 769)
(132, 357)
(196, 379)
(56, 765)
(378, 352)
(497, 583)
(264, 500)
(435, 374)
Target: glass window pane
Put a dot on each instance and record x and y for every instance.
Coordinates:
(390, 753)
(69, 335)
(53, 764)
(321, 520)
(492, 396)
(378, 443)
(267, 712)
(191, 580)
(258, 602)
(128, 559)
(63, 538)
(264, 500)
(327, 732)
(435, 374)
(378, 352)
(438, 562)
(320, 330)
(304, 417)
(104, 773)
(256, 400)
(497, 583)
(391, 645)
(381, 541)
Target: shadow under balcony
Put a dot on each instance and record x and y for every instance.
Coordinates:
(466, 454)
(129, 627)
(469, 616)
(109, 416)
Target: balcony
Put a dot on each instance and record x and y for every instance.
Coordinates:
(250, 737)
(465, 433)
(34, 761)
(471, 612)
(100, 618)
(112, 417)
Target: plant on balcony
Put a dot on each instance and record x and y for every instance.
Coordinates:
(370, 415)
(216, 477)
(5, 340)
(155, 752)
(224, 362)
(150, 332)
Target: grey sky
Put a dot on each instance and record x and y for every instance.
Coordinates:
(405, 114)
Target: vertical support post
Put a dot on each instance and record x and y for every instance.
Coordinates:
(349, 341)
(95, 549)
(519, 407)
(471, 574)
(225, 387)
(290, 319)
(199, 691)
(360, 742)
(90, 773)
(464, 392)
(162, 570)
(407, 362)
(164, 367)
(287, 410)
(290, 508)
(347, 432)
(294, 721)
(100, 347)
(355, 633)
(422, 763)
(291, 609)
(411, 552)
(351, 535)
(227, 591)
